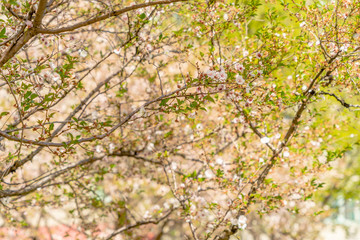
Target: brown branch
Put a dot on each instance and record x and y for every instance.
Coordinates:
(140, 223)
(89, 139)
(29, 189)
(105, 16)
(18, 16)
(342, 102)
(16, 46)
(40, 13)
(253, 128)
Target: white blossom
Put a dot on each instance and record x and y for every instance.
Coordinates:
(239, 79)
(265, 140)
(239, 67)
(209, 174)
(98, 148)
(219, 161)
(150, 147)
(117, 51)
(174, 166)
(241, 222)
(211, 74)
(29, 23)
(111, 148)
(83, 53)
(192, 115)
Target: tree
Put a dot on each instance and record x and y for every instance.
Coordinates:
(171, 112)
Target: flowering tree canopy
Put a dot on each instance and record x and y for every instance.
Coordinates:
(135, 117)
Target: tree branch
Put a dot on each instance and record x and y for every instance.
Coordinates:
(40, 13)
(342, 102)
(89, 139)
(140, 223)
(105, 16)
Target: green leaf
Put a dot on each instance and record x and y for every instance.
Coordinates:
(219, 173)
(152, 79)
(27, 94)
(142, 16)
(168, 134)
(2, 33)
(33, 96)
(209, 98)
(164, 101)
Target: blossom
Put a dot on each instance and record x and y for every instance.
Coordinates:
(192, 115)
(265, 140)
(344, 47)
(98, 148)
(233, 221)
(56, 78)
(29, 23)
(219, 161)
(52, 65)
(209, 174)
(150, 147)
(241, 222)
(221, 76)
(258, 55)
(239, 79)
(83, 53)
(286, 154)
(117, 51)
(235, 120)
(239, 67)
(210, 74)
(147, 215)
(111, 148)
(173, 166)
(199, 127)
(149, 47)
(124, 17)
(94, 115)
(221, 87)
(322, 159)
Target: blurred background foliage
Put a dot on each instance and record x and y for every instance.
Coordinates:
(339, 197)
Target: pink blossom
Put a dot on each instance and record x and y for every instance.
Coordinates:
(239, 67)
(29, 23)
(239, 79)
